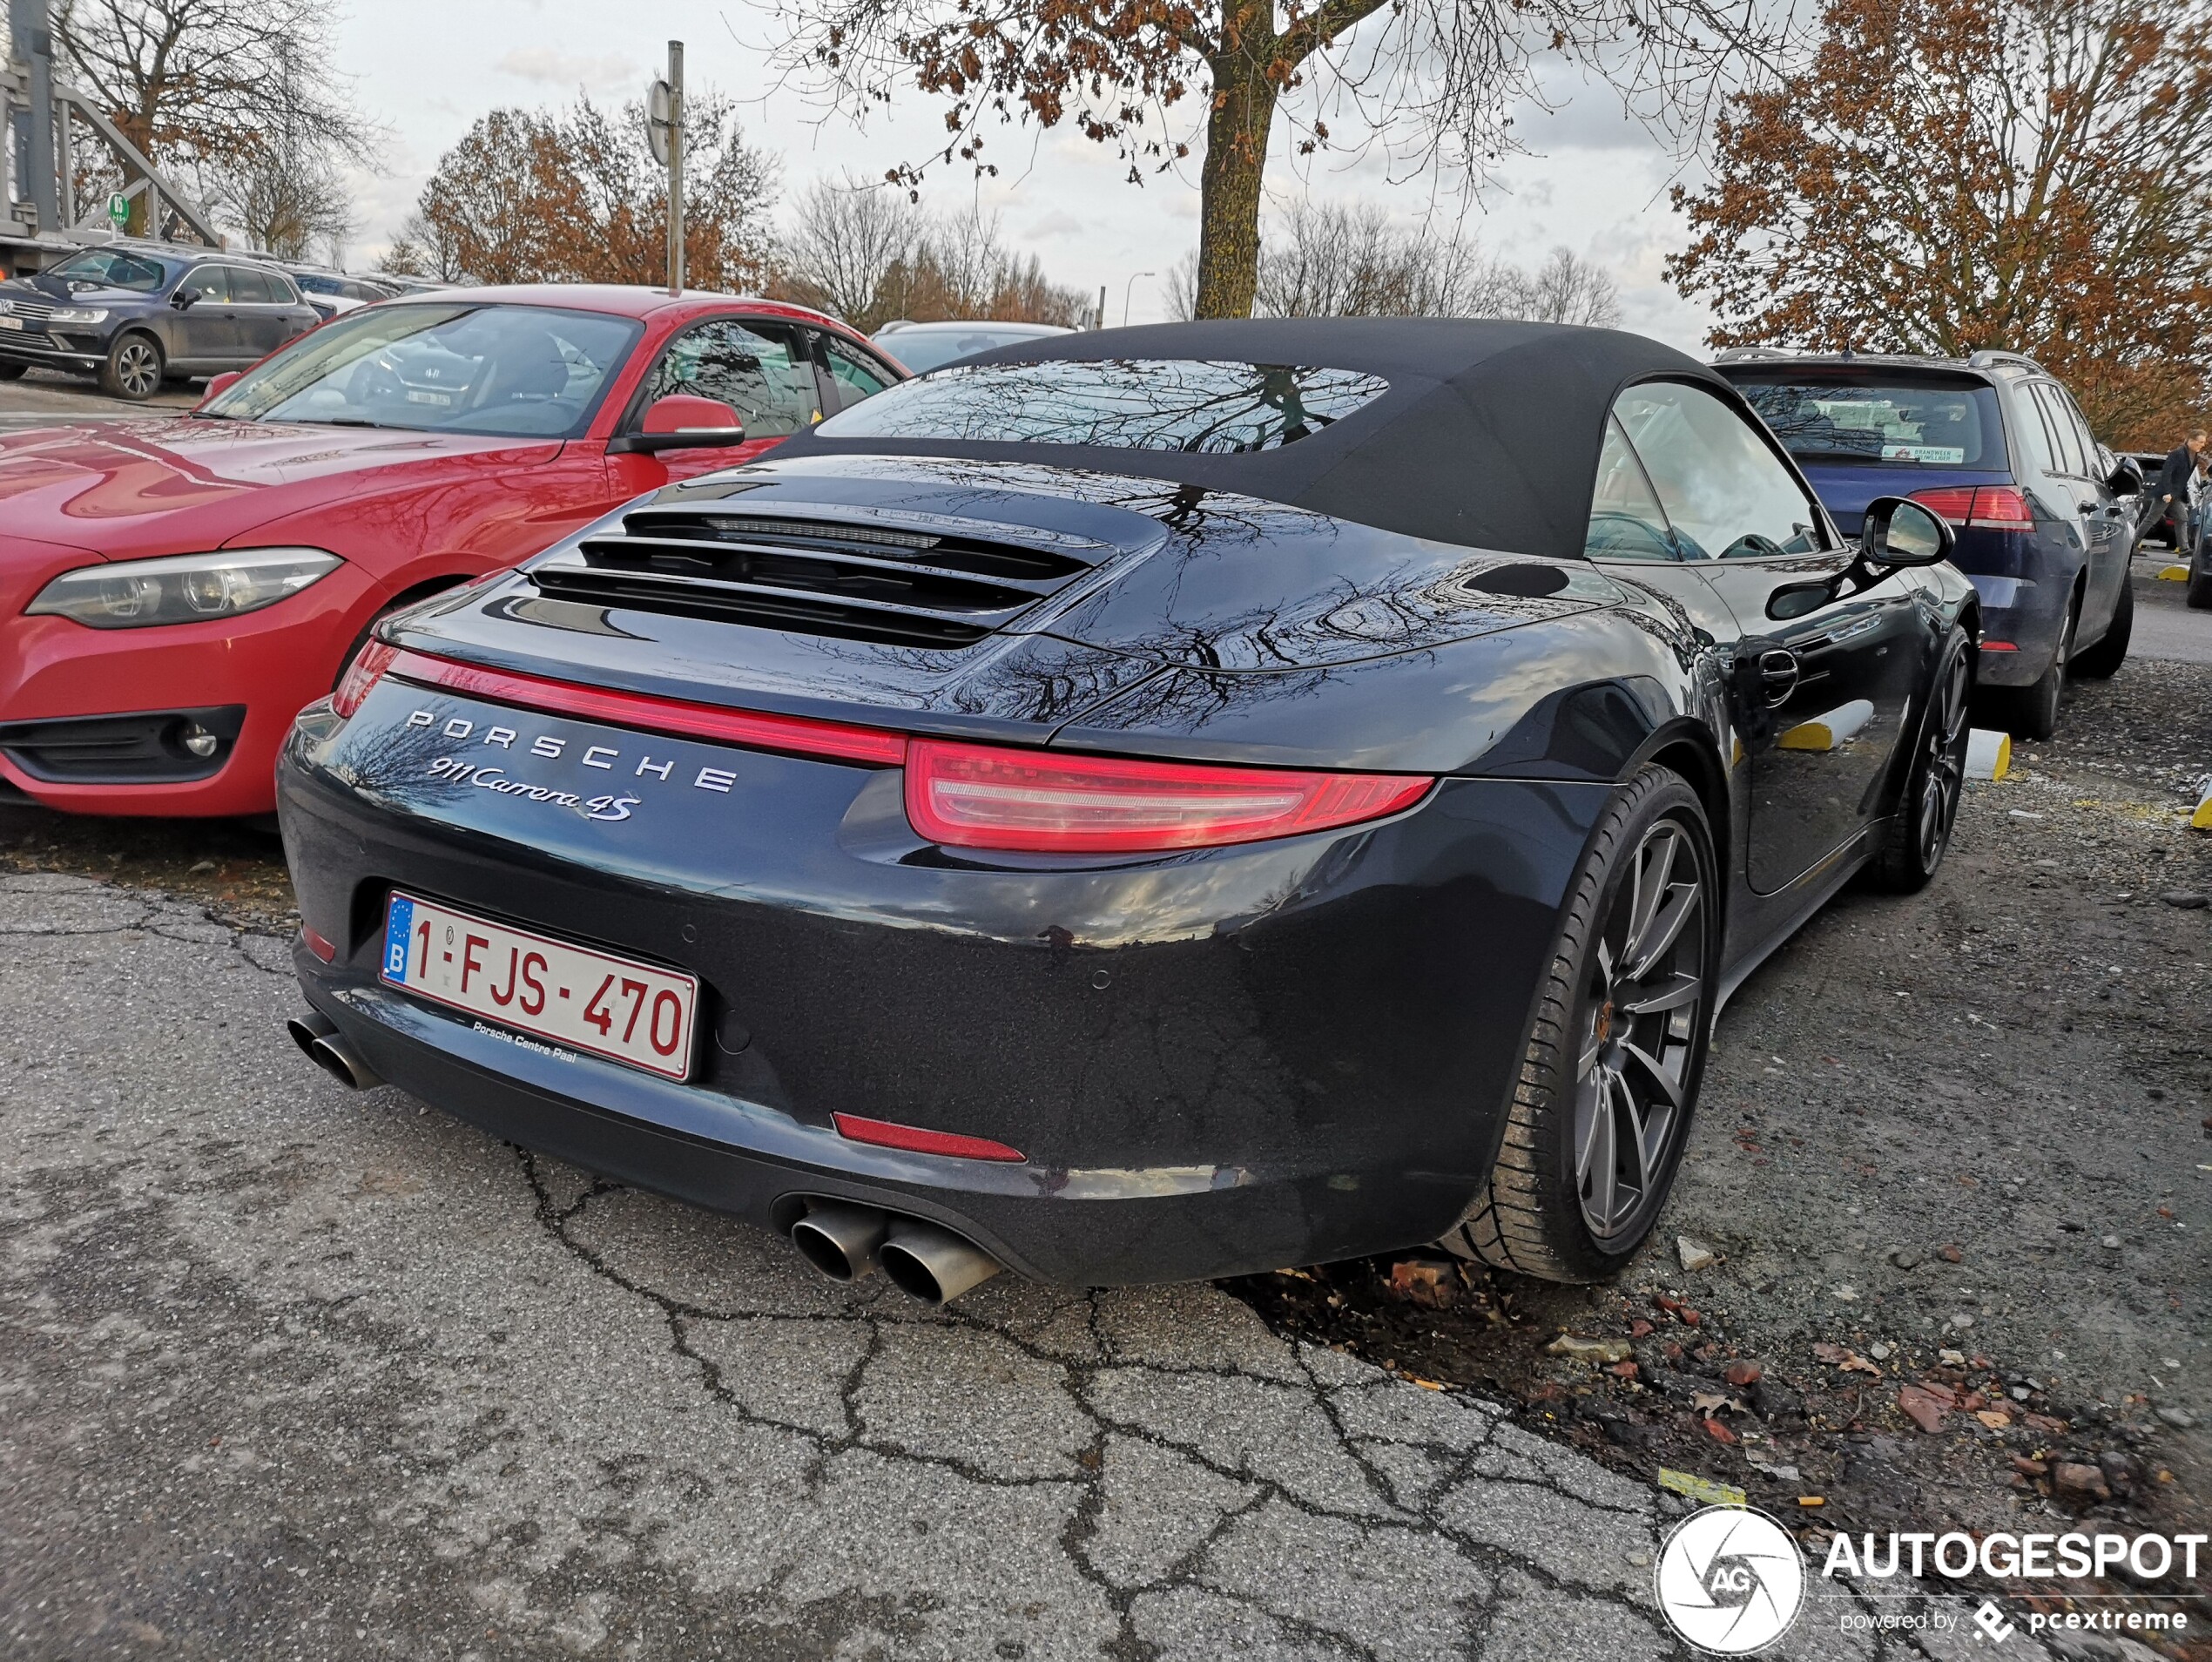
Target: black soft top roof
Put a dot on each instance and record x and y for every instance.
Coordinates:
(1488, 436)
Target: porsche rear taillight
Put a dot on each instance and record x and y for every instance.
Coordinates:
(367, 669)
(1984, 507)
(977, 796)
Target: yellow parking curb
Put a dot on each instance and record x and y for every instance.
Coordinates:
(2201, 819)
(2174, 574)
(1989, 754)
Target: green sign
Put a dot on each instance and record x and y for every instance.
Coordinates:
(119, 207)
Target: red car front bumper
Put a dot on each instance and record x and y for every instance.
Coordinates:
(272, 662)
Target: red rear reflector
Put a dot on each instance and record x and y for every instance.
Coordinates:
(798, 734)
(362, 674)
(884, 1134)
(319, 946)
(974, 796)
(1999, 646)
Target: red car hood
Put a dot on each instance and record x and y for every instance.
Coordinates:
(127, 489)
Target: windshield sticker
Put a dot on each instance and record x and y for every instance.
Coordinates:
(1946, 455)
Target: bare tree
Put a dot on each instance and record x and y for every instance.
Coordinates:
(286, 191)
(844, 240)
(1333, 261)
(1568, 289)
(193, 84)
(1435, 81)
(869, 256)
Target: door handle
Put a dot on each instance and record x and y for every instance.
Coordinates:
(1777, 676)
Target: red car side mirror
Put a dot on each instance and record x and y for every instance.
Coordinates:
(219, 383)
(682, 421)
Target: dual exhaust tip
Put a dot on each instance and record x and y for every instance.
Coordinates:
(847, 1242)
(321, 1043)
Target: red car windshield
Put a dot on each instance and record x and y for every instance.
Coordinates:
(441, 366)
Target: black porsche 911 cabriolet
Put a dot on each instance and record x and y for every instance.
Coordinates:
(1141, 805)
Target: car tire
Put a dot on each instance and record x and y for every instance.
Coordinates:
(1927, 808)
(2031, 712)
(133, 366)
(10, 370)
(1566, 1200)
(2200, 586)
(2102, 661)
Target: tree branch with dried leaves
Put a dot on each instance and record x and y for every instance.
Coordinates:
(1941, 175)
(1432, 81)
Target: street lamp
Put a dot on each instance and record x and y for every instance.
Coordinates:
(1127, 289)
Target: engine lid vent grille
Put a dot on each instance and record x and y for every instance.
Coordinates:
(863, 581)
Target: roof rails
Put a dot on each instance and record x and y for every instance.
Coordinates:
(1989, 358)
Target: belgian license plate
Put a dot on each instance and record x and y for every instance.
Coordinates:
(10, 323)
(569, 995)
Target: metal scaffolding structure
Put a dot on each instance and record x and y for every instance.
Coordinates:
(44, 120)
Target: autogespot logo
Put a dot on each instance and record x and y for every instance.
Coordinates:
(1730, 1580)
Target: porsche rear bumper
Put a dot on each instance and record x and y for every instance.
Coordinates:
(1225, 1061)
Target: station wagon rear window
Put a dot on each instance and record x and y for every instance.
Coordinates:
(1204, 406)
(1886, 419)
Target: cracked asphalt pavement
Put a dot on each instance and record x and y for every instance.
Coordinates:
(294, 1372)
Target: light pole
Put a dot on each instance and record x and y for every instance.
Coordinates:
(675, 167)
(1130, 287)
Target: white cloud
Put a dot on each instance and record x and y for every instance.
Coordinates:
(567, 70)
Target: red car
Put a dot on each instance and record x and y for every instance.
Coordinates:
(173, 590)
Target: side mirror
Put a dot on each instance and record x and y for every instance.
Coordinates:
(682, 421)
(220, 383)
(185, 298)
(1899, 531)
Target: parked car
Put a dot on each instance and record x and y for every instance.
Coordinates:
(136, 315)
(2046, 516)
(333, 291)
(171, 591)
(1141, 805)
(923, 347)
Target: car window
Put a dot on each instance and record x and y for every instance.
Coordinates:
(922, 350)
(213, 282)
(762, 371)
(2066, 442)
(1726, 493)
(250, 288)
(1200, 406)
(1626, 520)
(2094, 462)
(854, 376)
(281, 289)
(519, 371)
(1883, 416)
(2035, 423)
(110, 268)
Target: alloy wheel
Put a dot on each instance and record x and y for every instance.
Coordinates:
(1642, 1008)
(1944, 770)
(138, 369)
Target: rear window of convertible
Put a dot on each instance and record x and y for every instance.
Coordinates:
(1207, 405)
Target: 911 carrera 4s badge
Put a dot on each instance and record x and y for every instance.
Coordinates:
(493, 774)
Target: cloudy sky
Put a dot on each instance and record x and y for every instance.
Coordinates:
(427, 68)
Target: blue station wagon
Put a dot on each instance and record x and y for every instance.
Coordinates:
(2046, 516)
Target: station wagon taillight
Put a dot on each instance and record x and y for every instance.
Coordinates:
(1984, 507)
